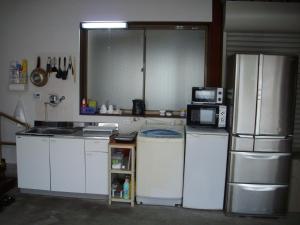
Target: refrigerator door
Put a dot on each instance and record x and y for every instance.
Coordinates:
(245, 94)
(257, 199)
(242, 143)
(275, 98)
(205, 166)
(259, 168)
(272, 144)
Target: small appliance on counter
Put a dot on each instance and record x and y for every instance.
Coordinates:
(207, 108)
(208, 95)
(138, 107)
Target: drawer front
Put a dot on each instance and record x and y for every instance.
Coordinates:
(273, 144)
(256, 199)
(260, 168)
(96, 145)
(244, 144)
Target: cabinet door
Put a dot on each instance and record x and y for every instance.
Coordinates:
(96, 145)
(33, 162)
(67, 165)
(96, 173)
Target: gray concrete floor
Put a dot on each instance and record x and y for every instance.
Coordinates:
(44, 210)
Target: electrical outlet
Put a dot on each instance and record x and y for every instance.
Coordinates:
(37, 96)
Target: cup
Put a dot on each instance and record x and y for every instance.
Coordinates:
(103, 109)
(110, 109)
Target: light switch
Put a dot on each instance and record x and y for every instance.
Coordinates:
(37, 95)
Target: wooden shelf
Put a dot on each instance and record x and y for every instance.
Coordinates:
(127, 149)
(121, 200)
(121, 171)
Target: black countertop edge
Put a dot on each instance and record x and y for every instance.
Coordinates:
(38, 123)
(131, 115)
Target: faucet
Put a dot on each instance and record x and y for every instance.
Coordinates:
(54, 100)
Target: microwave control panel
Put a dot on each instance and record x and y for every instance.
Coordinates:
(222, 116)
(219, 99)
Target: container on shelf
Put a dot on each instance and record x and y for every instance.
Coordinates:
(18, 78)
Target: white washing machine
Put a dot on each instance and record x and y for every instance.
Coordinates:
(159, 165)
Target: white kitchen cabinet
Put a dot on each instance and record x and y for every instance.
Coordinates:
(67, 165)
(96, 158)
(33, 162)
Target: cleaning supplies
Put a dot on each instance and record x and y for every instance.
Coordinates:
(126, 188)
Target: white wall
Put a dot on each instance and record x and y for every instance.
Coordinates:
(44, 28)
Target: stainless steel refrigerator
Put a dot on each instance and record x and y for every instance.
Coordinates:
(261, 97)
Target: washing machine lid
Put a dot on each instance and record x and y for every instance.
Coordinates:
(162, 131)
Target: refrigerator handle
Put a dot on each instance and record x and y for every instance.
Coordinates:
(244, 136)
(273, 137)
(259, 93)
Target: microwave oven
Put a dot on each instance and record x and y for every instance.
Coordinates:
(208, 95)
(206, 115)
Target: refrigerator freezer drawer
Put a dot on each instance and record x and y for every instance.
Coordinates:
(257, 199)
(242, 143)
(273, 144)
(259, 168)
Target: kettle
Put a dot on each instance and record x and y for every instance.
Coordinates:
(138, 107)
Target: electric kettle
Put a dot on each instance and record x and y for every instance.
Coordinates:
(138, 107)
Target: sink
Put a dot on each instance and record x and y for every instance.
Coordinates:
(50, 130)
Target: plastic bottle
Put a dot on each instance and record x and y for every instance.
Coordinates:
(24, 71)
(83, 103)
(126, 188)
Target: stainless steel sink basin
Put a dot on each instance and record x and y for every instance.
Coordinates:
(50, 130)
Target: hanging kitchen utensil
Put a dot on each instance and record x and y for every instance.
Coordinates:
(65, 72)
(59, 72)
(48, 68)
(53, 63)
(69, 64)
(73, 69)
(39, 76)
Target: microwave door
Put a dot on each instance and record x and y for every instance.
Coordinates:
(208, 116)
(203, 116)
(206, 95)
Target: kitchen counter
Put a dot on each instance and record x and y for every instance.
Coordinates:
(64, 130)
(64, 158)
(77, 134)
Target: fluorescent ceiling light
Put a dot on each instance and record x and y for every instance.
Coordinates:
(95, 25)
